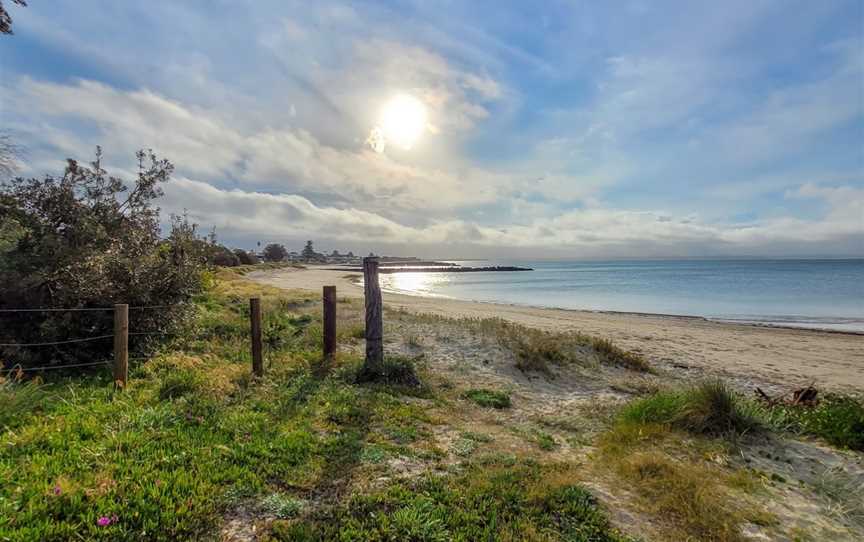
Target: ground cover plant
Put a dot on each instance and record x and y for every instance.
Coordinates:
(489, 501)
(164, 459)
(489, 398)
(837, 419)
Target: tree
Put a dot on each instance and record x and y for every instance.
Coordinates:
(335, 254)
(223, 256)
(309, 252)
(87, 240)
(244, 257)
(10, 153)
(275, 252)
(6, 19)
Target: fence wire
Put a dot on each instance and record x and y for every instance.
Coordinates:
(49, 367)
(55, 343)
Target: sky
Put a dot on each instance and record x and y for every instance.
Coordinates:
(557, 129)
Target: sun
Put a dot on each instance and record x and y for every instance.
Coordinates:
(403, 120)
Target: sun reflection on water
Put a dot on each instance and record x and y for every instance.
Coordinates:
(414, 282)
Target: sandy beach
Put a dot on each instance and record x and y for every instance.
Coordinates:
(785, 357)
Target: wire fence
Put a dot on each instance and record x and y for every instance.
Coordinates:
(78, 340)
(263, 347)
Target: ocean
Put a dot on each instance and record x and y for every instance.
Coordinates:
(823, 294)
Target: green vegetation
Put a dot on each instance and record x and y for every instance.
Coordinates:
(489, 501)
(839, 420)
(86, 241)
(489, 398)
(191, 435)
(313, 454)
(710, 408)
(395, 370)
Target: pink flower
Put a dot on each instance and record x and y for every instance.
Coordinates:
(103, 521)
(57, 490)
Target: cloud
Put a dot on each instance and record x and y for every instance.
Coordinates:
(590, 231)
(286, 158)
(589, 131)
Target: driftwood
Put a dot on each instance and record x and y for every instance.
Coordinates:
(801, 397)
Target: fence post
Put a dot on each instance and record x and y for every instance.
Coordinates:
(329, 297)
(255, 321)
(374, 315)
(121, 345)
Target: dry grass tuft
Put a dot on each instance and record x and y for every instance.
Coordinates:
(688, 497)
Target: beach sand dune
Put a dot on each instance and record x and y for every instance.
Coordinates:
(785, 357)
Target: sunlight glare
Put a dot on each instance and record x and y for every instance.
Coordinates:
(403, 120)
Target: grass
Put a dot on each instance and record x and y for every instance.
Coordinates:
(488, 398)
(668, 449)
(488, 501)
(709, 408)
(192, 434)
(536, 350)
(837, 419)
(539, 351)
(689, 498)
(393, 370)
(844, 494)
(20, 400)
(676, 482)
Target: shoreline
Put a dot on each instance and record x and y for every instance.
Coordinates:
(788, 356)
(742, 322)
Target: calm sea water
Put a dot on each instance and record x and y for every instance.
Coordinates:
(826, 294)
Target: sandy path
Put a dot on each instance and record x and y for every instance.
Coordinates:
(790, 357)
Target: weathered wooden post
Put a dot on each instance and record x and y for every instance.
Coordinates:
(255, 322)
(374, 317)
(329, 297)
(121, 345)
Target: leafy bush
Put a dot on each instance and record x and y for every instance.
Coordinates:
(86, 240)
(275, 252)
(489, 398)
(223, 257)
(245, 258)
(710, 408)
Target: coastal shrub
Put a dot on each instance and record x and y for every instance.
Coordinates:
(492, 501)
(274, 252)
(709, 408)
(245, 258)
(223, 257)
(86, 240)
(838, 419)
(488, 398)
